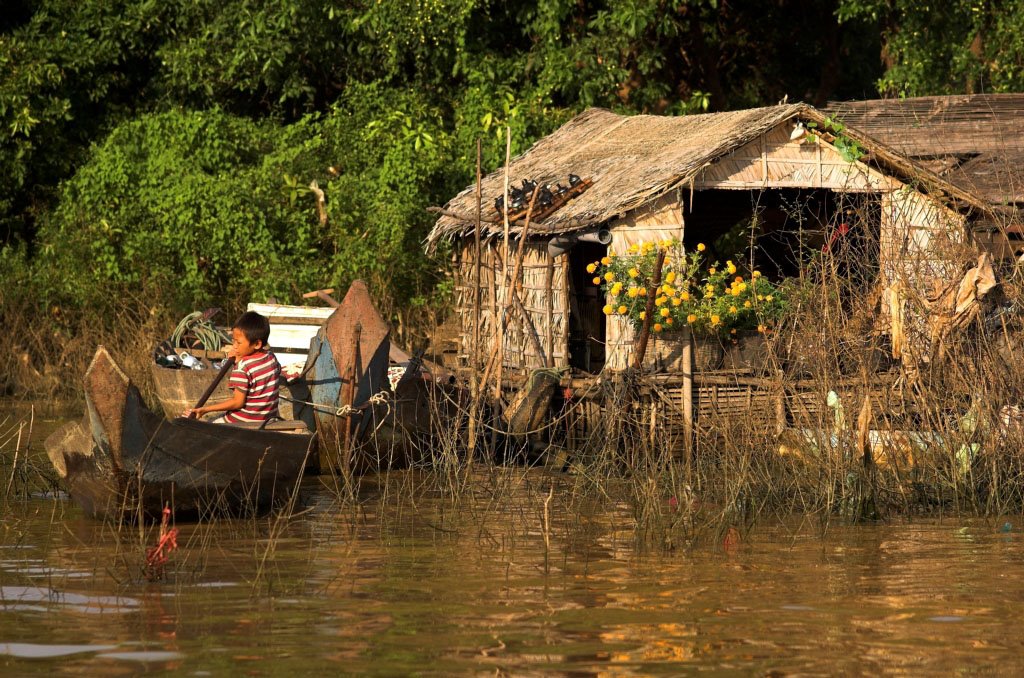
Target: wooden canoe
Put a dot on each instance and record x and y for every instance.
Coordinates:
(123, 461)
(369, 423)
(347, 366)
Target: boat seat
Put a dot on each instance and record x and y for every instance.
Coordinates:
(287, 425)
(279, 425)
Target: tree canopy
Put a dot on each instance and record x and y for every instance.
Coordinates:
(148, 141)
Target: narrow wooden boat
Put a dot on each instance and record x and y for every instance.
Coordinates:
(347, 375)
(124, 461)
(365, 419)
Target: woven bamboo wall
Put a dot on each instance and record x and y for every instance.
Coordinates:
(919, 241)
(661, 220)
(546, 309)
(776, 161)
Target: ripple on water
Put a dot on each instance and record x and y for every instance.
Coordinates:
(144, 656)
(18, 597)
(35, 651)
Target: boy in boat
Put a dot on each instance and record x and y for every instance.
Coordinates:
(254, 381)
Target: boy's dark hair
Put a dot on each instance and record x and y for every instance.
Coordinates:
(254, 326)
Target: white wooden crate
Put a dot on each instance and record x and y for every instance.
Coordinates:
(291, 329)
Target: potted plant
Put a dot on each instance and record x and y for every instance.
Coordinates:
(728, 310)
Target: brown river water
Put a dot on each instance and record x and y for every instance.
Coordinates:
(408, 581)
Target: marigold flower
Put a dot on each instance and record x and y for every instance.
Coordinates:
(742, 287)
(768, 298)
(608, 310)
(633, 273)
(756, 274)
(609, 276)
(607, 261)
(597, 281)
(733, 310)
(632, 249)
(670, 277)
(622, 310)
(711, 270)
(677, 301)
(760, 297)
(746, 304)
(657, 327)
(738, 279)
(685, 296)
(616, 289)
(642, 292)
(715, 320)
(643, 315)
(731, 267)
(732, 331)
(761, 329)
(632, 292)
(591, 268)
(665, 312)
(668, 321)
(691, 318)
(700, 247)
(668, 289)
(660, 300)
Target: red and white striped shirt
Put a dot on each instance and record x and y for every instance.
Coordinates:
(256, 376)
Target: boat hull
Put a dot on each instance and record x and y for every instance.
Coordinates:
(389, 425)
(124, 461)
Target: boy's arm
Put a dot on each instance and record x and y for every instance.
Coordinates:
(235, 402)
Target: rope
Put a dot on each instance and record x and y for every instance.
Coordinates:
(376, 399)
(202, 329)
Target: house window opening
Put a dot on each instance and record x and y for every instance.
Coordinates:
(785, 233)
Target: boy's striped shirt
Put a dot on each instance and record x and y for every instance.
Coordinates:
(256, 376)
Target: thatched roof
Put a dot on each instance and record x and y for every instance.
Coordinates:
(633, 160)
(976, 142)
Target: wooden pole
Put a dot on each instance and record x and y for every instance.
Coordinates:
(476, 259)
(347, 398)
(688, 398)
(499, 339)
(567, 299)
(549, 283)
(474, 383)
(224, 369)
(496, 352)
(652, 292)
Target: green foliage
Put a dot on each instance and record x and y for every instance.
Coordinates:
(170, 146)
(946, 48)
(848, 148)
(207, 205)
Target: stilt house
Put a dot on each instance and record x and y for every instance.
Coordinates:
(692, 178)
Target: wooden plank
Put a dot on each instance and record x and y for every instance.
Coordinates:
(291, 314)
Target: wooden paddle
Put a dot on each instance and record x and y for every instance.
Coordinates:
(224, 369)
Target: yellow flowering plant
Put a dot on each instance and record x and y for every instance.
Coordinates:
(712, 300)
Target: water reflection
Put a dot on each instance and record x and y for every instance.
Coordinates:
(410, 582)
